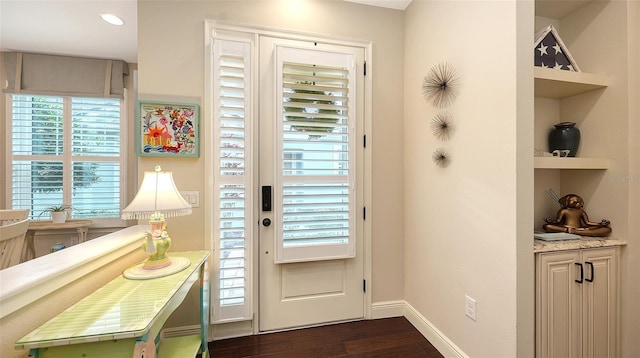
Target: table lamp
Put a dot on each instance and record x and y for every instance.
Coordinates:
(156, 199)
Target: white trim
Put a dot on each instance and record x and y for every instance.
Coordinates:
(215, 25)
(443, 344)
(207, 194)
(23, 284)
(387, 309)
(367, 177)
(232, 330)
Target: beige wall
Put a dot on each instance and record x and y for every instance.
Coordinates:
(463, 223)
(171, 65)
(631, 253)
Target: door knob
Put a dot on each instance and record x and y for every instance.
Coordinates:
(266, 222)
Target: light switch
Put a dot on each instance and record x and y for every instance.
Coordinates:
(192, 197)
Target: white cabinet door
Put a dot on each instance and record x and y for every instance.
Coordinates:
(558, 305)
(576, 303)
(599, 312)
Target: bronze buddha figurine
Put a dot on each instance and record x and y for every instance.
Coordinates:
(574, 220)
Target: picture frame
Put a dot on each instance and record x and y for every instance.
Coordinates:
(167, 129)
(551, 52)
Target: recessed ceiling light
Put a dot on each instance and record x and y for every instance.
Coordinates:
(112, 19)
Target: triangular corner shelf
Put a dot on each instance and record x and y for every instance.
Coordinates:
(551, 52)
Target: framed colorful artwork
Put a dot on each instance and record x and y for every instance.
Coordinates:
(167, 129)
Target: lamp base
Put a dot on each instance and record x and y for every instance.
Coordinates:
(138, 272)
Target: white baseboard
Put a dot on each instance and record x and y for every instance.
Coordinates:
(228, 330)
(432, 334)
(387, 309)
(401, 308)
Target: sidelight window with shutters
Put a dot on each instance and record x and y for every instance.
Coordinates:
(232, 172)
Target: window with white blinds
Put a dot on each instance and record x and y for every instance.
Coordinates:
(233, 178)
(316, 145)
(66, 151)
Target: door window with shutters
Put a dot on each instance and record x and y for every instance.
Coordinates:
(315, 177)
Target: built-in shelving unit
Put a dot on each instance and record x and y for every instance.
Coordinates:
(591, 100)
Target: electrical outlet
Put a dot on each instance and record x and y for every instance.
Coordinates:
(470, 306)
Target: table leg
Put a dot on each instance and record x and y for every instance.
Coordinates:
(30, 251)
(82, 234)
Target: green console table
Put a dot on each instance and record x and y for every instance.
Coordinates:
(124, 319)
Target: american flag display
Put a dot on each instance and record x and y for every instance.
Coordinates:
(550, 51)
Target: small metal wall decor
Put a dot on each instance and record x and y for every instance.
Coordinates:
(440, 85)
(442, 125)
(441, 158)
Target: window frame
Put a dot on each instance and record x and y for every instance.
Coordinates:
(67, 158)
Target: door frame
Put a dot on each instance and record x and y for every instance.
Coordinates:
(210, 28)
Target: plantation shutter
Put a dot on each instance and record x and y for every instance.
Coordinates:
(37, 140)
(233, 222)
(95, 143)
(66, 151)
(316, 165)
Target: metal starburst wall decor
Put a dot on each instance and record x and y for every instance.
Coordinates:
(442, 126)
(441, 158)
(440, 85)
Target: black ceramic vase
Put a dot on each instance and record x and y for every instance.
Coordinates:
(565, 136)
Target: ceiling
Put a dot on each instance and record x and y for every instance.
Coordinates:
(69, 27)
(74, 27)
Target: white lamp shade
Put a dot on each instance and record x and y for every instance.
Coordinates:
(158, 193)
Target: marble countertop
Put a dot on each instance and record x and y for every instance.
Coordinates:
(583, 243)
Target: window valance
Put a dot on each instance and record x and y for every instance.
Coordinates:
(64, 75)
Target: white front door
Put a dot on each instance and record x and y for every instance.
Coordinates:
(310, 217)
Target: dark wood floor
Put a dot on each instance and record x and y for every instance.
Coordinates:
(389, 337)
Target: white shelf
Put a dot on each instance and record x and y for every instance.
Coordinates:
(553, 83)
(570, 163)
